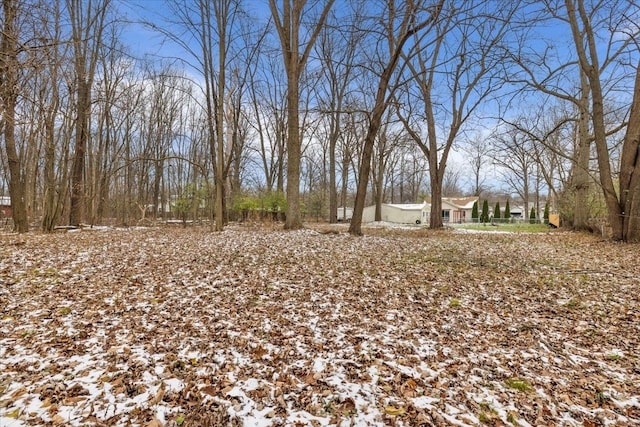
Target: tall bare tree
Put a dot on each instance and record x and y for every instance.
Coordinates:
(630, 170)
(338, 54)
(9, 90)
(452, 81)
(88, 23)
(401, 21)
(513, 153)
(288, 23)
(209, 35)
(269, 121)
(477, 151)
(546, 72)
(50, 104)
(584, 36)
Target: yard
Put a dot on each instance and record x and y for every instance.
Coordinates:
(525, 227)
(256, 326)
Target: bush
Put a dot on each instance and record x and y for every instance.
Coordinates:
(496, 211)
(484, 217)
(270, 205)
(474, 212)
(507, 210)
(189, 201)
(532, 216)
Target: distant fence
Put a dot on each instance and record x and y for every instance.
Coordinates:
(512, 220)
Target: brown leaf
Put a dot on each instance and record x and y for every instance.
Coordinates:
(70, 401)
(158, 397)
(259, 351)
(211, 391)
(57, 420)
(154, 423)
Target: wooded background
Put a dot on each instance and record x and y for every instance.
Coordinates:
(292, 108)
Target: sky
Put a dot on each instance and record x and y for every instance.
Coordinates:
(145, 42)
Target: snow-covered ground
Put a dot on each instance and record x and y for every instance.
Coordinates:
(257, 327)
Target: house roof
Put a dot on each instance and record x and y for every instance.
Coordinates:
(408, 206)
(461, 202)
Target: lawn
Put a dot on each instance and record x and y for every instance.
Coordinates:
(518, 227)
(256, 326)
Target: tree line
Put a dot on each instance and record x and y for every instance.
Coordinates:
(320, 104)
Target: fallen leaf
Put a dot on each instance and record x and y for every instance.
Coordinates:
(154, 423)
(211, 391)
(58, 419)
(13, 414)
(393, 411)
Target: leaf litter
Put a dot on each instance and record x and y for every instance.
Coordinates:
(259, 327)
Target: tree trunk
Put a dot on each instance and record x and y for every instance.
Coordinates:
(379, 182)
(580, 178)
(333, 190)
(355, 228)
(525, 196)
(630, 170)
(77, 175)
(288, 27)
(591, 67)
(220, 177)
(8, 92)
(435, 216)
(293, 220)
(50, 212)
(87, 32)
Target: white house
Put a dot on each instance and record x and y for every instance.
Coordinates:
(454, 209)
(457, 209)
(399, 213)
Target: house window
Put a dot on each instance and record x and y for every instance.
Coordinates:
(445, 215)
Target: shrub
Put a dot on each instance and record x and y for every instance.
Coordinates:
(484, 217)
(474, 212)
(496, 210)
(532, 216)
(507, 210)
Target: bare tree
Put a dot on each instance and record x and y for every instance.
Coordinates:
(630, 170)
(452, 80)
(338, 54)
(513, 154)
(582, 29)
(51, 106)
(401, 22)
(589, 78)
(451, 181)
(9, 91)
(269, 121)
(88, 22)
(288, 21)
(477, 151)
(546, 72)
(211, 35)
